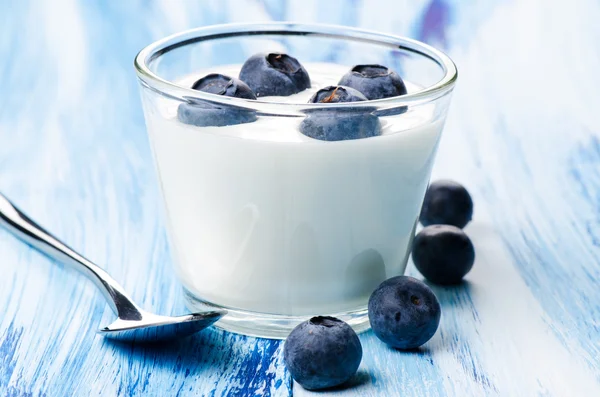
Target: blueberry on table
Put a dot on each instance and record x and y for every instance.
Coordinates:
(274, 74)
(374, 81)
(207, 114)
(404, 312)
(443, 254)
(446, 203)
(322, 352)
(341, 123)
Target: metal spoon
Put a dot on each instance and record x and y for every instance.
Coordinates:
(133, 323)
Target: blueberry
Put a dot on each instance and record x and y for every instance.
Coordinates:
(443, 254)
(404, 312)
(339, 124)
(334, 126)
(204, 113)
(224, 85)
(446, 203)
(322, 352)
(374, 81)
(274, 74)
(337, 94)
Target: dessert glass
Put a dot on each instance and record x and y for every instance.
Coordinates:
(274, 226)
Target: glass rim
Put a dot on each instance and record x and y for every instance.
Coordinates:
(171, 89)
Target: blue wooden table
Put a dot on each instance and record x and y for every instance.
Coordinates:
(523, 135)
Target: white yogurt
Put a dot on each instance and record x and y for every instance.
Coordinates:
(264, 219)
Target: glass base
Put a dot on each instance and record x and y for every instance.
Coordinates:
(270, 326)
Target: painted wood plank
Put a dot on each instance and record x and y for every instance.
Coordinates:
(522, 135)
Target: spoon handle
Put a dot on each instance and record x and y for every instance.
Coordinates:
(17, 223)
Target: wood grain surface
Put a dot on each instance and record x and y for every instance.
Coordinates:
(523, 135)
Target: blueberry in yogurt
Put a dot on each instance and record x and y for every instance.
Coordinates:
(446, 203)
(209, 114)
(337, 94)
(219, 84)
(274, 74)
(374, 81)
(322, 352)
(337, 124)
(404, 312)
(444, 254)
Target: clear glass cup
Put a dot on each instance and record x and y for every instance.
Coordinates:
(272, 225)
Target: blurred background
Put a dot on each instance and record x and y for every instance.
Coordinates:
(70, 112)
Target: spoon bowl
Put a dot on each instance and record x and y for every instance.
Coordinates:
(155, 328)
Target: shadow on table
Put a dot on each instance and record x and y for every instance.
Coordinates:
(209, 350)
(420, 351)
(452, 295)
(362, 377)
